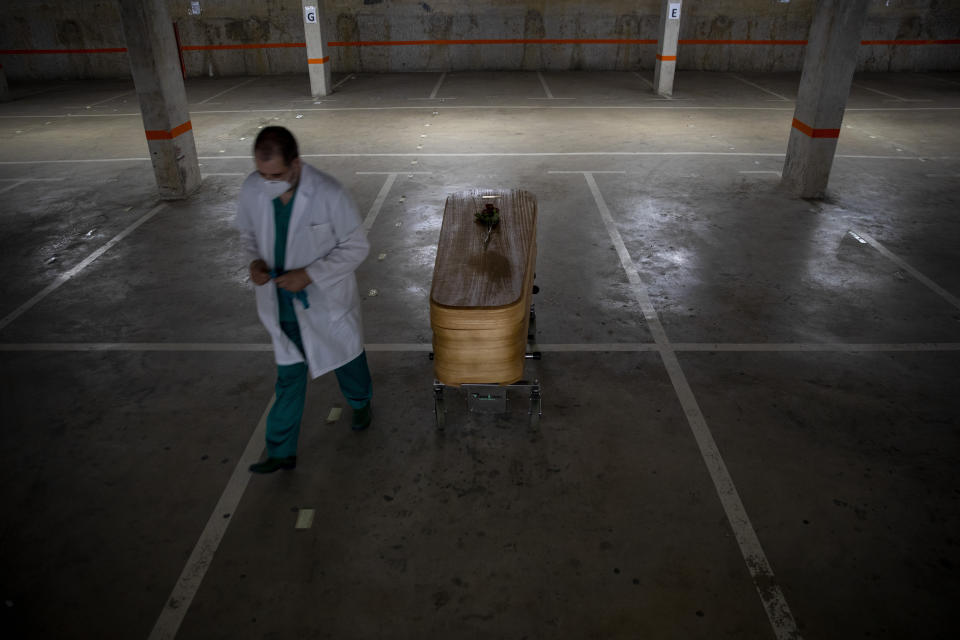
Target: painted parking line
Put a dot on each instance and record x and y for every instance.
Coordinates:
(12, 186)
(120, 95)
(546, 89)
(649, 83)
(897, 260)
(64, 277)
(436, 88)
(774, 603)
(426, 347)
(895, 98)
(646, 81)
(225, 91)
(176, 606)
(764, 89)
(816, 347)
(378, 202)
(519, 154)
(481, 107)
(19, 181)
(349, 77)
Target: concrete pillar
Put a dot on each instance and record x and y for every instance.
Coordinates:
(4, 87)
(828, 67)
(155, 65)
(667, 47)
(318, 57)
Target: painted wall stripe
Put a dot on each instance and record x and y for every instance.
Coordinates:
(815, 133)
(323, 60)
(14, 52)
(760, 42)
(397, 43)
(394, 43)
(169, 135)
(909, 42)
(666, 58)
(265, 45)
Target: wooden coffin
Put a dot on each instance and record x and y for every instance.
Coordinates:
(480, 298)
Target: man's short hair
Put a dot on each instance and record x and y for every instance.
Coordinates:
(273, 141)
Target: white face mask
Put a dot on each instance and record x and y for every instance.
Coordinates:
(276, 188)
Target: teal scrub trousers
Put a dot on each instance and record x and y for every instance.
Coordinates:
(283, 422)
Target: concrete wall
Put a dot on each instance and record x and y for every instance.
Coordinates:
(95, 24)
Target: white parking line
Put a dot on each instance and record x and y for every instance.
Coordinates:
(890, 95)
(436, 88)
(953, 82)
(930, 284)
(139, 346)
(237, 86)
(386, 173)
(519, 154)
(774, 602)
(120, 95)
(171, 617)
(753, 84)
(19, 181)
(79, 161)
(649, 83)
(424, 347)
(494, 107)
(882, 93)
(349, 77)
(378, 203)
(800, 347)
(53, 286)
(546, 89)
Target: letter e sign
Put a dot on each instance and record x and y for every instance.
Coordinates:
(310, 15)
(674, 11)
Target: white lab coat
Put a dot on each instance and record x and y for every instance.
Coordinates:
(326, 237)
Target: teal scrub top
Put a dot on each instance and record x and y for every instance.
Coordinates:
(281, 217)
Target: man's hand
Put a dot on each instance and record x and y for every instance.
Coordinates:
(259, 272)
(294, 281)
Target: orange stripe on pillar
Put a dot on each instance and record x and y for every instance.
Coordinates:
(666, 58)
(318, 60)
(815, 133)
(169, 135)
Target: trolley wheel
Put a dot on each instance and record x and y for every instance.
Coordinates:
(536, 409)
(534, 421)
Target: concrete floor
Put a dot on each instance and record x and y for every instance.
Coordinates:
(799, 412)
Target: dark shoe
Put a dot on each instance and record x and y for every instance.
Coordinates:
(272, 464)
(362, 417)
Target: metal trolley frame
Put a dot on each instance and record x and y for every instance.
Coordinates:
(492, 398)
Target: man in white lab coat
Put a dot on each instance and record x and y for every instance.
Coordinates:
(304, 239)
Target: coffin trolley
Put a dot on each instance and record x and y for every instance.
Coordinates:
(481, 309)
